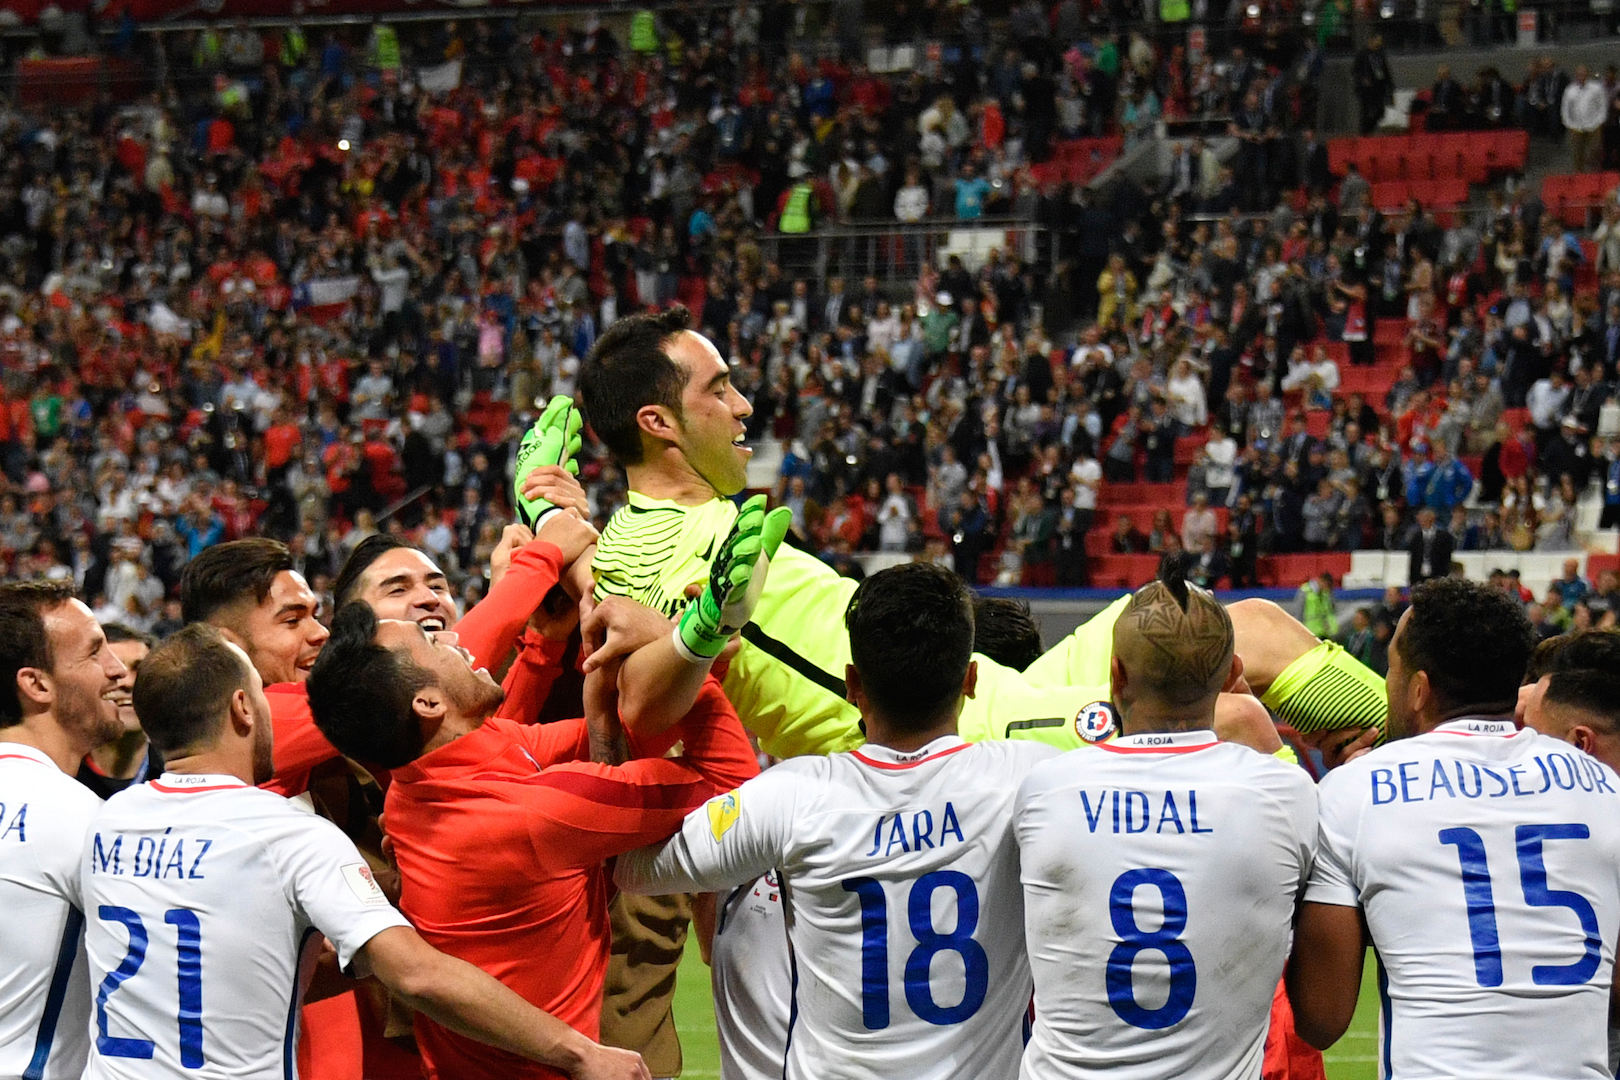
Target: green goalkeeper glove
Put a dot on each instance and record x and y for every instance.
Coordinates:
(554, 440)
(736, 578)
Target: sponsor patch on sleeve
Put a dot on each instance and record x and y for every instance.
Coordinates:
(364, 885)
(724, 810)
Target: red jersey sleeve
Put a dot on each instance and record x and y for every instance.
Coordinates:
(491, 628)
(528, 680)
(581, 813)
(300, 746)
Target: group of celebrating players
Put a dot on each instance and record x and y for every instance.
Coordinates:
(970, 861)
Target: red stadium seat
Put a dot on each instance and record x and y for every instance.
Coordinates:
(1123, 571)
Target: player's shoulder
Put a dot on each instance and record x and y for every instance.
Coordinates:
(44, 798)
(1020, 756)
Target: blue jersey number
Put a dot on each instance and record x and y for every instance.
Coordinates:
(930, 943)
(1481, 903)
(188, 968)
(1134, 941)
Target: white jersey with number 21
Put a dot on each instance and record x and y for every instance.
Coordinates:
(904, 908)
(1161, 873)
(202, 901)
(1487, 863)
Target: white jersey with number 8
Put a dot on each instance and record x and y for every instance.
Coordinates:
(1487, 863)
(202, 901)
(1160, 877)
(903, 904)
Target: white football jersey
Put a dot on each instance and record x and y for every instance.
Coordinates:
(205, 899)
(44, 992)
(753, 980)
(1161, 873)
(904, 909)
(1487, 863)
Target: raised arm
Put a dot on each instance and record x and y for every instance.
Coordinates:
(664, 666)
(470, 1002)
(581, 812)
(733, 839)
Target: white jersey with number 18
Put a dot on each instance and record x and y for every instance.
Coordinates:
(1161, 873)
(1487, 863)
(202, 900)
(904, 909)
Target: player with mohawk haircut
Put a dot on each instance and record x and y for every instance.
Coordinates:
(1157, 858)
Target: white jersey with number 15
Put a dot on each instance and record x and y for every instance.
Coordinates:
(903, 904)
(1487, 863)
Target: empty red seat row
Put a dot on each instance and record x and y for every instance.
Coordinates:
(1573, 196)
(1142, 494)
(1278, 571)
(1291, 571)
(1438, 196)
(1471, 156)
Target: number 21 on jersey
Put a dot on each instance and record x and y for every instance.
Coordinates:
(930, 943)
(188, 972)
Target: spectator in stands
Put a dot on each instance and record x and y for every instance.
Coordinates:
(1126, 538)
(1584, 110)
(1430, 548)
(1374, 85)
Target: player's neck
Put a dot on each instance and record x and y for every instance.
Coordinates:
(451, 728)
(121, 759)
(669, 476)
(879, 733)
(215, 761)
(42, 732)
(1490, 710)
(1146, 721)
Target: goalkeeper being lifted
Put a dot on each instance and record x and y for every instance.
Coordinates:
(660, 397)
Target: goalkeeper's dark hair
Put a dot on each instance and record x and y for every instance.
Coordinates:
(360, 692)
(911, 640)
(627, 371)
(1005, 631)
(1472, 641)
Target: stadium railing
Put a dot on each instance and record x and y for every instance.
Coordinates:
(895, 252)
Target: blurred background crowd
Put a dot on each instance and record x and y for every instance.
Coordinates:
(311, 281)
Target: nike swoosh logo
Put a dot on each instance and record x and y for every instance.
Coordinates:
(708, 552)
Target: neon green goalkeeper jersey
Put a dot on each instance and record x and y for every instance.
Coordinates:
(787, 681)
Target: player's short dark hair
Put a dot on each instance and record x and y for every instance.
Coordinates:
(359, 561)
(23, 640)
(911, 640)
(1544, 658)
(360, 692)
(1005, 631)
(1593, 691)
(228, 573)
(1587, 650)
(117, 632)
(628, 370)
(184, 687)
(1473, 642)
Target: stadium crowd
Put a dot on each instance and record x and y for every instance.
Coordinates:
(345, 273)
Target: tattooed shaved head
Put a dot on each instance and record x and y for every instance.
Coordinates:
(1175, 643)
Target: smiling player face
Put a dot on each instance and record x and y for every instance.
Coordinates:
(405, 584)
(710, 428)
(283, 634)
